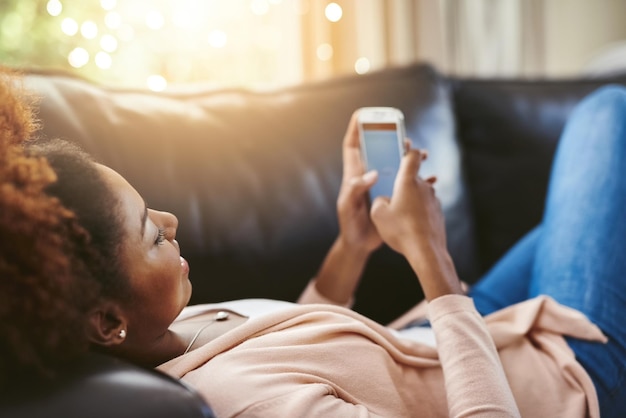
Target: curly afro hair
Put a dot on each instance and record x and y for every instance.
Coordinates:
(46, 284)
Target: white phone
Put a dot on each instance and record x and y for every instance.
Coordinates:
(381, 133)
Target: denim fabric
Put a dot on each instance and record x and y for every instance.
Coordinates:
(577, 255)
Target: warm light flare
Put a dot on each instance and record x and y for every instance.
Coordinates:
(362, 65)
(333, 12)
(89, 29)
(324, 52)
(217, 39)
(69, 26)
(79, 57)
(108, 4)
(103, 60)
(163, 42)
(156, 82)
(155, 20)
(260, 7)
(54, 7)
(108, 43)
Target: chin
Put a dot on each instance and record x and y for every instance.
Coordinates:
(188, 291)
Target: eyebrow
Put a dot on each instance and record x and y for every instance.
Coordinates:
(144, 218)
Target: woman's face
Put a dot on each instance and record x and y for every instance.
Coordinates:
(150, 257)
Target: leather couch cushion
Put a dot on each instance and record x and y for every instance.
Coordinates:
(98, 386)
(509, 130)
(253, 176)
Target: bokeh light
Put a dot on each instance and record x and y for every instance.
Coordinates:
(69, 26)
(79, 57)
(161, 43)
(103, 60)
(324, 52)
(260, 7)
(362, 65)
(108, 4)
(54, 7)
(156, 82)
(108, 43)
(333, 12)
(217, 38)
(155, 20)
(89, 29)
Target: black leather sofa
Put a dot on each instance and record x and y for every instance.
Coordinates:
(253, 177)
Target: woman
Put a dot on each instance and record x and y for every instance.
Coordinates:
(274, 359)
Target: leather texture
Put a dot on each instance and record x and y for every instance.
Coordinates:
(99, 386)
(509, 130)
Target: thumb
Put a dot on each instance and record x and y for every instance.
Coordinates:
(380, 209)
(362, 183)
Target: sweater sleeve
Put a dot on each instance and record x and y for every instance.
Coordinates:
(476, 385)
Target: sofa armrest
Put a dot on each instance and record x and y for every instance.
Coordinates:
(100, 386)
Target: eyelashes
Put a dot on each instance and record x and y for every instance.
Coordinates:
(160, 237)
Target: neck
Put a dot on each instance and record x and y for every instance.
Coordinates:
(165, 348)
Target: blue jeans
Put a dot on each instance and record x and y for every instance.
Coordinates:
(577, 255)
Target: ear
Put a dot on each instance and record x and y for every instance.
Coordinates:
(107, 325)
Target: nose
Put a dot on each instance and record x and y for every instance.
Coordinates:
(166, 221)
(170, 221)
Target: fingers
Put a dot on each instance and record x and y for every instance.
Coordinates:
(351, 139)
(408, 144)
(352, 160)
(379, 209)
(409, 166)
(359, 185)
(367, 180)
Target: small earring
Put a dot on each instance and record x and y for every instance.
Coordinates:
(122, 334)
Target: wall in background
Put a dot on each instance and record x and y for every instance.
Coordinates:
(577, 31)
(534, 38)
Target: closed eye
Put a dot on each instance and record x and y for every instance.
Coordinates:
(160, 237)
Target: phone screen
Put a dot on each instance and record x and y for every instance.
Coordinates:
(383, 154)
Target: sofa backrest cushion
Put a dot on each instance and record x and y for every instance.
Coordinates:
(253, 176)
(509, 130)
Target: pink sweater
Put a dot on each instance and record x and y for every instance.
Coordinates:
(327, 361)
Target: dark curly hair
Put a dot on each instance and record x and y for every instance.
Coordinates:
(81, 188)
(58, 231)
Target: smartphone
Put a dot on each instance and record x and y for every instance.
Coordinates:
(381, 133)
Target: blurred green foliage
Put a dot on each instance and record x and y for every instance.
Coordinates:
(136, 41)
(31, 37)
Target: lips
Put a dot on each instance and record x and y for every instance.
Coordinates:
(184, 265)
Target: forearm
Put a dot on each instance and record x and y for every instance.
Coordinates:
(341, 271)
(435, 269)
(476, 385)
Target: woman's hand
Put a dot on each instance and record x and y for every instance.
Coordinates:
(412, 223)
(356, 229)
(412, 220)
(341, 270)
